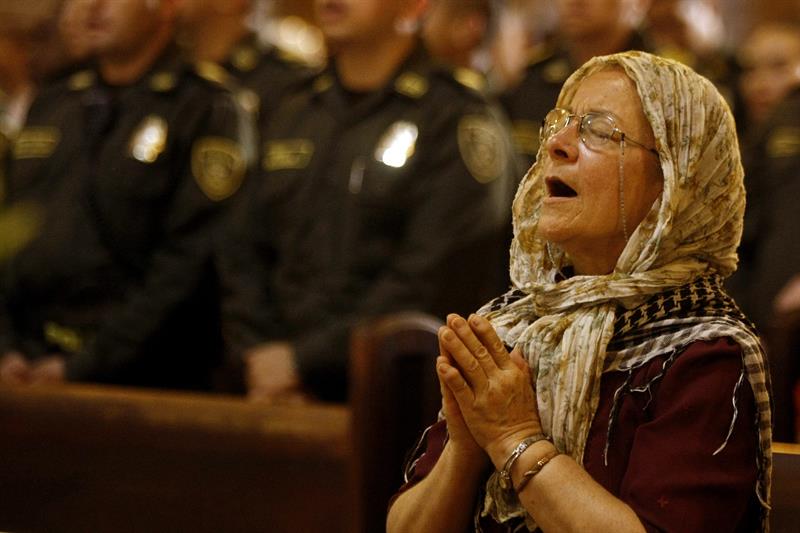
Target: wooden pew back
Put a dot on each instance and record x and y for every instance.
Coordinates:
(82, 458)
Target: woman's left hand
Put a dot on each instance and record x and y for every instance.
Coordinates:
(492, 387)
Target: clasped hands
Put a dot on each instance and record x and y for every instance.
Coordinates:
(488, 396)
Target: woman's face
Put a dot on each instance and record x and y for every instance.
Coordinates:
(581, 210)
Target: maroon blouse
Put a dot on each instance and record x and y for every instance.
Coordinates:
(660, 458)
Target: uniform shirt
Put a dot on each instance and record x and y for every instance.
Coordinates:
(368, 204)
(268, 73)
(769, 254)
(122, 190)
(660, 452)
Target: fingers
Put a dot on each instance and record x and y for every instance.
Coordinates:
(472, 343)
(484, 331)
(451, 379)
(463, 358)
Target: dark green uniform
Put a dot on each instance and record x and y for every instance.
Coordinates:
(118, 193)
(368, 204)
(769, 254)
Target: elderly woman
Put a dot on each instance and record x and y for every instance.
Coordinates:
(634, 398)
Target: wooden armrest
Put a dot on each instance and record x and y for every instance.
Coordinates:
(394, 395)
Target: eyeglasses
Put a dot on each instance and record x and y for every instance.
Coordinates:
(596, 129)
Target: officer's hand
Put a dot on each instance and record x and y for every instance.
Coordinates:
(271, 374)
(14, 369)
(48, 371)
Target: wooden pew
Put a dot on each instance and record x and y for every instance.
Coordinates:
(394, 395)
(84, 458)
(785, 488)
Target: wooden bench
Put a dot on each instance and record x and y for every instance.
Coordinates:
(83, 458)
(785, 488)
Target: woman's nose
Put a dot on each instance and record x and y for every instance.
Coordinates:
(563, 144)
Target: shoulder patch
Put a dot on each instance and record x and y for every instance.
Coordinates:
(164, 81)
(81, 80)
(471, 79)
(481, 141)
(411, 84)
(218, 166)
(784, 142)
(36, 142)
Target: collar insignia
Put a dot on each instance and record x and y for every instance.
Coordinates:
(162, 82)
(411, 84)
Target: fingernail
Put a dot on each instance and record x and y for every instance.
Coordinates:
(447, 335)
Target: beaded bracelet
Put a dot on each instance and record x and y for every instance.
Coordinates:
(505, 473)
(527, 476)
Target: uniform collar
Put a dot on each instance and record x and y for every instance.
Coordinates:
(411, 80)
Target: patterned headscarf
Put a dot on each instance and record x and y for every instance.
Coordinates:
(564, 326)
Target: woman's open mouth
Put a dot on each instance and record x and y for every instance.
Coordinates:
(556, 188)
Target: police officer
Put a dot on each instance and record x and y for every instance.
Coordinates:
(123, 174)
(586, 28)
(383, 183)
(769, 254)
(262, 73)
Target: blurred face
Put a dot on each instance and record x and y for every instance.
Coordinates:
(73, 25)
(350, 21)
(579, 19)
(451, 31)
(581, 210)
(121, 27)
(200, 10)
(771, 68)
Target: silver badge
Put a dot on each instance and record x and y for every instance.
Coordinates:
(397, 144)
(149, 139)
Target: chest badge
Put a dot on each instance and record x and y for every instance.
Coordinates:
(397, 144)
(149, 139)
